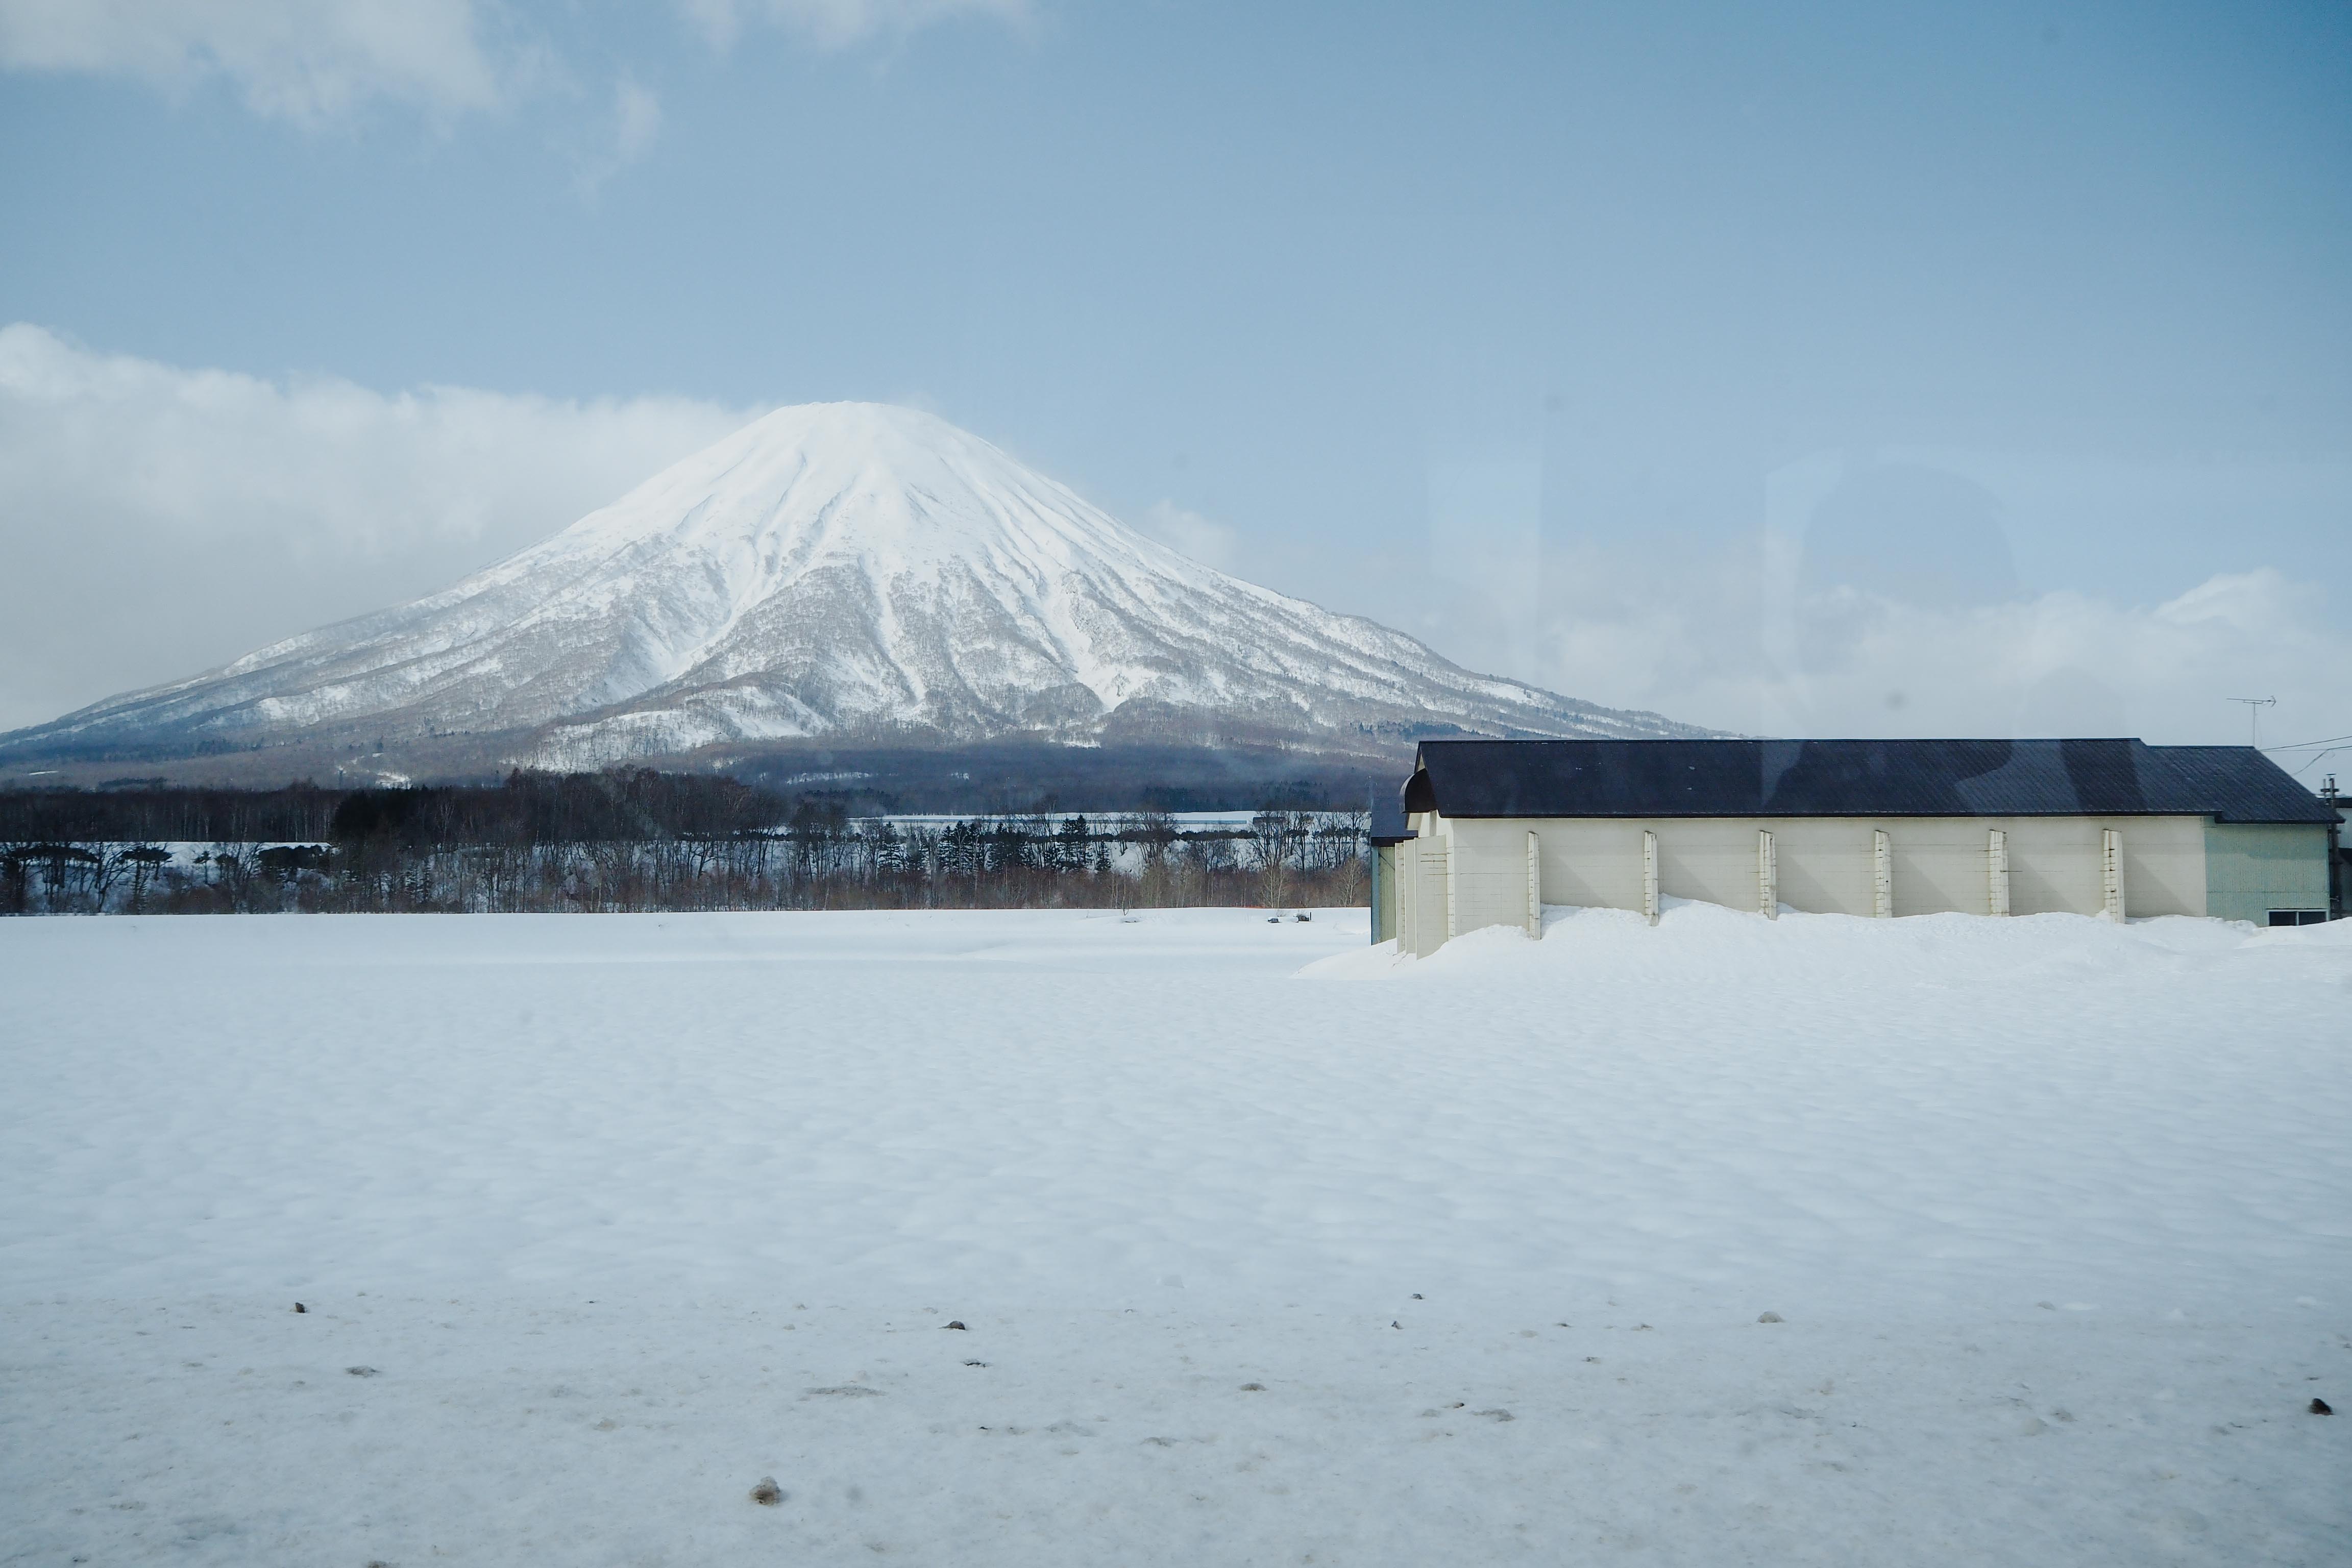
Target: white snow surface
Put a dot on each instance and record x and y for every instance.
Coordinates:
(1271, 1246)
(841, 570)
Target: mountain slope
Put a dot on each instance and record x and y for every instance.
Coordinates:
(853, 572)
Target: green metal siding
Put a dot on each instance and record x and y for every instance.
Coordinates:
(2252, 868)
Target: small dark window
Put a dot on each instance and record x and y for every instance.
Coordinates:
(2298, 917)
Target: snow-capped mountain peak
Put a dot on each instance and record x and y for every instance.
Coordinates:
(849, 569)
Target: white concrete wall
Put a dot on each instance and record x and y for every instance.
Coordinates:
(1431, 896)
(1824, 864)
(1405, 892)
(1490, 874)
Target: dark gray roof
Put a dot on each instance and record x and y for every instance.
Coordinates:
(1854, 778)
(1388, 818)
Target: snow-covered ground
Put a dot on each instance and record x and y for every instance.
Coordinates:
(601, 1219)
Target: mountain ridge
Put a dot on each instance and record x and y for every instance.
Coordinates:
(833, 573)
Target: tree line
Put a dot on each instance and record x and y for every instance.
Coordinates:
(635, 840)
(527, 807)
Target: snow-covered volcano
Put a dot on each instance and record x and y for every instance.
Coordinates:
(849, 571)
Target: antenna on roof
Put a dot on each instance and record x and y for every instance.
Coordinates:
(2255, 706)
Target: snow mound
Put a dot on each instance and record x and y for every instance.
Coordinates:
(1578, 941)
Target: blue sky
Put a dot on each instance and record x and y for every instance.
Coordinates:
(1824, 368)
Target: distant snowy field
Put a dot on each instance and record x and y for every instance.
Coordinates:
(1271, 1249)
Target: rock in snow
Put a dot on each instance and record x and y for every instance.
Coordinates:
(845, 571)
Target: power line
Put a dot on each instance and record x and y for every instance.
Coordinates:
(2317, 757)
(2306, 745)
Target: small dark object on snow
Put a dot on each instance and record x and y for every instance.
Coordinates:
(975, 1363)
(1302, 915)
(1416, 1295)
(1770, 1318)
(1274, 919)
(767, 1494)
(1252, 1388)
(957, 1324)
(1394, 1324)
(300, 1308)
(2321, 1408)
(361, 1370)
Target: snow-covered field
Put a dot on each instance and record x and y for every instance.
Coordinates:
(601, 1219)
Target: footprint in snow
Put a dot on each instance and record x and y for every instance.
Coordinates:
(848, 1391)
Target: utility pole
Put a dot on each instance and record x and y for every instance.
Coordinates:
(2255, 706)
(2335, 889)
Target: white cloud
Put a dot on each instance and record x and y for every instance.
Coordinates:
(2073, 663)
(637, 115)
(1189, 533)
(837, 24)
(637, 125)
(304, 60)
(315, 62)
(175, 518)
(1887, 595)
(1711, 642)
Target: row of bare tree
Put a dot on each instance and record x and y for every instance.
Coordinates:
(820, 860)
